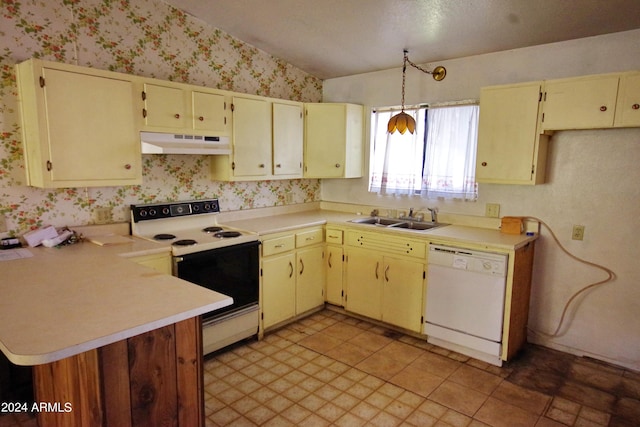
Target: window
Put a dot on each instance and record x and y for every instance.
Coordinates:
(437, 161)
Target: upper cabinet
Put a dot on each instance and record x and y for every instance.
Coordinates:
(333, 140)
(267, 141)
(79, 127)
(179, 108)
(580, 103)
(628, 106)
(510, 148)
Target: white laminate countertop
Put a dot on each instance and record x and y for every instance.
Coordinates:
(450, 234)
(65, 301)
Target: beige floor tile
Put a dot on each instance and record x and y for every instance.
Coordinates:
(529, 400)
(401, 352)
(342, 331)
(458, 398)
(380, 365)
(384, 419)
(476, 379)
(320, 342)
(436, 364)
(350, 420)
(370, 341)
(296, 414)
(500, 414)
(349, 353)
(421, 419)
(415, 380)
(455, 419)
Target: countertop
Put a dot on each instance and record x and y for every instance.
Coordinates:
(65, 301)
(453, 234)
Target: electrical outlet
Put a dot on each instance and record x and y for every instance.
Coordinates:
(288, 198)
(492, 210)
(578, 232)
(101, 215)
(3, 224)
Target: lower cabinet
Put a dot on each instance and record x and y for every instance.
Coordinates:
(383, 285)
(292, 275)
(159, 262)
(334, 266)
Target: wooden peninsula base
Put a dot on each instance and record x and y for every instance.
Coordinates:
(152, 379)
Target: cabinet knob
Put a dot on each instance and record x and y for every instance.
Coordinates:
(337, 165)
(127, 166)
(177, 116)
(261, 165)
(484, 163)
(603, 108)
(278, 165)
(635, 106)
(201, 118)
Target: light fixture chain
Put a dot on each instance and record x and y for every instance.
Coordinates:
(418, 67)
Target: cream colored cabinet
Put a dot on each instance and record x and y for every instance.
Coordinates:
(288, 140)
(278, 289)
(292, 275)
(251, 137)
(159, 262)
(385, 278)
(78, 126)
(333, 140)
(628, 105)
(580, 102)
(511, 149)
(179, 108)
(334, 266)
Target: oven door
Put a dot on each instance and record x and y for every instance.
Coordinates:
(231, 270)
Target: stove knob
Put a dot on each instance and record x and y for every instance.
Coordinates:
(165, 211)
(142, 213)
(152, 212)
(195, 208)
(207, 207)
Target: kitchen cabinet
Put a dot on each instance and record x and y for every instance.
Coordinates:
(251, 137)
(628, 104)
(334, 265)
(292, 275)
(180, 108)
(580, 102)
(333, 146)
(78, 125)
(288, 140)
(511, 149)
(385, 278)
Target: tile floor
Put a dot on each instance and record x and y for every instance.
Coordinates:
(333, 369)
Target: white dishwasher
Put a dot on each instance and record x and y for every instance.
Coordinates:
(465, 296)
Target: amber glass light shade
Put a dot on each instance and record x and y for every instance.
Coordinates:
(401, 122)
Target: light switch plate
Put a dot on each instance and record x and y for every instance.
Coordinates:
(492, 210)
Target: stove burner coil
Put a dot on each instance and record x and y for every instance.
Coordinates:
(164, 236)
(225, 234)
(184, 242)
(212, 229)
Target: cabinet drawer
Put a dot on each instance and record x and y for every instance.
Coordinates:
(307, 238)
(278, 245)
(334, 236)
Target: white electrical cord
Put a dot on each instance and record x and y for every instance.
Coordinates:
(610, 273)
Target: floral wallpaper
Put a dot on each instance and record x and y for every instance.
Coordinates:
(147, 38)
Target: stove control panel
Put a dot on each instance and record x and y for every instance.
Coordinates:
(152, 211)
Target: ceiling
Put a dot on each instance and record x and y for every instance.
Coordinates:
(334, 38)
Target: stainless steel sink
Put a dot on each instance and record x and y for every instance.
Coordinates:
(397, 223)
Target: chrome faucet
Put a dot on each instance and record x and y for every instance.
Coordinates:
(434, 213)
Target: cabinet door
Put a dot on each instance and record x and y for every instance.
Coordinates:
(509, 146)
(333, 268)
(580, 103)
(402, 293)
(92, 138)
(364, 271)
(628, 107)
(209, 112)
(164, 107)
(325, 140)
(159, 262)
(278, 289)
(310, 280)
(288, 139)
(251, 137)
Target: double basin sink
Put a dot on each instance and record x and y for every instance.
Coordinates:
(398, 223)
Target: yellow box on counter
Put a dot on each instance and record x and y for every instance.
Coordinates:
(512, 225)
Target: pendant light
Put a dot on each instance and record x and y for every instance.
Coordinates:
(402, 121)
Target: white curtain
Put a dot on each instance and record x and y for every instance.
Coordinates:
(396, 162)
(450, 160)
(443, 167)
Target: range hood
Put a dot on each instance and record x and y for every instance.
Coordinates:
(172, 143)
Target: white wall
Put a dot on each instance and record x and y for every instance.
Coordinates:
(593, 179)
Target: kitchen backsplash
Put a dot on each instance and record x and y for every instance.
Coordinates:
(147, 38)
